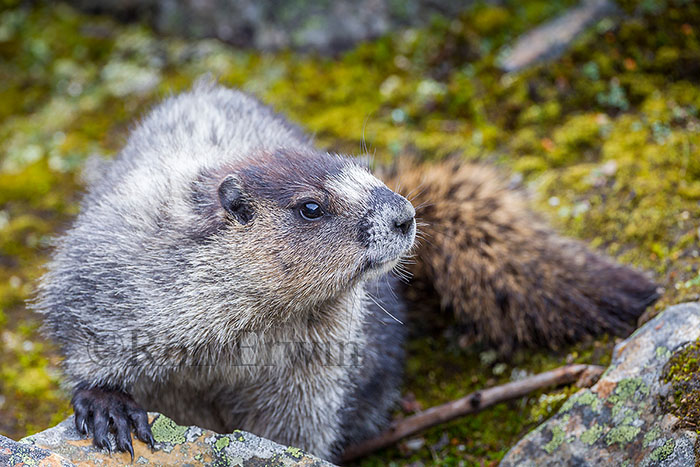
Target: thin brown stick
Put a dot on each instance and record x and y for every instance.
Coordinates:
(471, 403)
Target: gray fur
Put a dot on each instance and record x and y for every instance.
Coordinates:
(157, 292)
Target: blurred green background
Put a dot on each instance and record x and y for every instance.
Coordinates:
(607, 138)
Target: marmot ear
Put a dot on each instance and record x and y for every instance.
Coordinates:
(234, 201)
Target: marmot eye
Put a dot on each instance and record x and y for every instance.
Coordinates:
(311, 211)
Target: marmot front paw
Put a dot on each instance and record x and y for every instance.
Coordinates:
(99, 410)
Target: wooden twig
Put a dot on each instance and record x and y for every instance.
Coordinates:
(472, 403)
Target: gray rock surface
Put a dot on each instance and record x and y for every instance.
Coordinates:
(551, 39)
(13, 453)
(175, 445)
(619, 421)
(325, 25)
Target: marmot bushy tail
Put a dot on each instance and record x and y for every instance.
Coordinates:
(509, 278)
(228, 274)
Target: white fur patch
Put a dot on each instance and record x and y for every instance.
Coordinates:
(353, 184)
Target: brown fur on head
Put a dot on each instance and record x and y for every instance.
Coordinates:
(290, 261)
(508, 277)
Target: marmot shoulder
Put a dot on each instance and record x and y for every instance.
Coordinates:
(229, 274)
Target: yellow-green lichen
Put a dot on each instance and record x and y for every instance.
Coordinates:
(622, 434)
(592, 434)
(222, 459)
(586, 397)
(662, 452)
(662, 353)
(625, 390)
(558, 437)
(167, 431)
(222, 443)
(651, 436)
(295, 452)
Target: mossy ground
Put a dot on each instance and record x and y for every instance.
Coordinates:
(607, 137)
(683, 373)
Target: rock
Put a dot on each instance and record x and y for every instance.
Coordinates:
(63, 446)
(620, 420)
(325, 26)
(551, 39)
(14, 453)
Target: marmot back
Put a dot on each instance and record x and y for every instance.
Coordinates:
(225, 272)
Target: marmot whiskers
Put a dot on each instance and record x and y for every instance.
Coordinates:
(228, 274)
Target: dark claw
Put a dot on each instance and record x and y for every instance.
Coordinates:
(102, 442)
(101, 410)
(80, 423)
(139, 420)
(146, 436)
(122, 433)
(124, 444)
(101, 430)
(130, 448)
(82, 410)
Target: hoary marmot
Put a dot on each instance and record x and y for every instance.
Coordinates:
(228, 274)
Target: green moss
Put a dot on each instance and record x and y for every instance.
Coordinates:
(578, 134)
(547, 405)
(33, 382)
(681, 372)
(439, 371)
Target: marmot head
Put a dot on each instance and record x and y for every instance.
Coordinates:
(300, 228)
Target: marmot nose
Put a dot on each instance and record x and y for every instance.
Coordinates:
(404, 223)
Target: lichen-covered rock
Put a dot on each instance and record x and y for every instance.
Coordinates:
(175, 445)
(621, 420)
(682, 372)
(13, 453)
